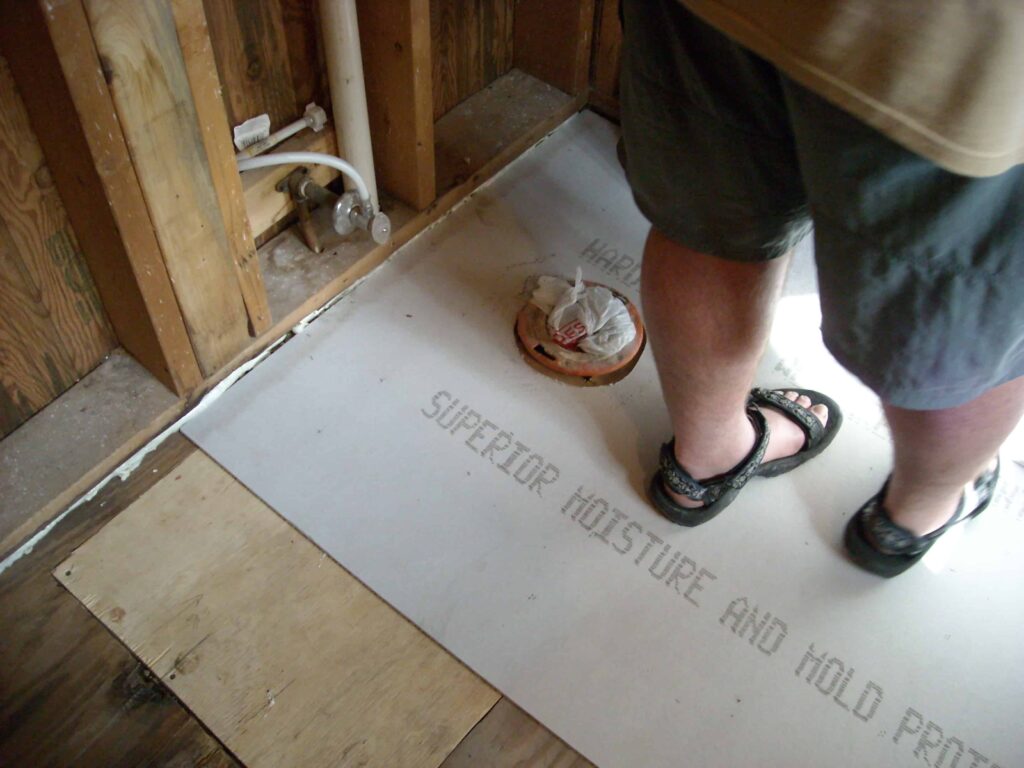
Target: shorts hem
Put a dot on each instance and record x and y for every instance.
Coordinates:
(705, 245)
(917, 398)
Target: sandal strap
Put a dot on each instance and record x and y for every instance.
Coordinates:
(679, 481)
(892, 539)
(985, 483)
(888, 537)
(807, 421)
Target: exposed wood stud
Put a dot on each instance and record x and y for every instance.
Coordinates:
(57, 68)
(607, 55)
(139, 44)
(197, 51)
(395, 38)
(266, 205)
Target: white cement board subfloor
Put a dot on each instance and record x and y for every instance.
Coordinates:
(504, 513)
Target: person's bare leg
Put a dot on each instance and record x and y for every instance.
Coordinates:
(936, 453)
(708, 321)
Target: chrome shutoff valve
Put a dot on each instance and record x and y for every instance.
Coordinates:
(348, 211)
(352, 213)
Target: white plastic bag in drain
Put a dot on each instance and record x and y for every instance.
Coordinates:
(588, 317)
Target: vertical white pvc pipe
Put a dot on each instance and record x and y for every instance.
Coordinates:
(348, 91)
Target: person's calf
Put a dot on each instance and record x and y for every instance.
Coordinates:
(938, 452)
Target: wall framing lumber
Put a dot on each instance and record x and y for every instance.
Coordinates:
(395, 40)
(376, 255)
(363, 265)
(51, 54)
(197, 50)
(138, 43)
(251, 49)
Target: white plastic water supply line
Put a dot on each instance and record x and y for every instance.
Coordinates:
(314, 158)
(348, 90)
(314, 118)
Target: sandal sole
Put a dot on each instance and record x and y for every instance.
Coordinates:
(870, 559)
(680, 515)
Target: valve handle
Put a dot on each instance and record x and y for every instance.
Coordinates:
(350, 214)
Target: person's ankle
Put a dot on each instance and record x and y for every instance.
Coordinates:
(921, 517)
(731, 446)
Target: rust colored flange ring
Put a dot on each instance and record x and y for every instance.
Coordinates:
(533, 334)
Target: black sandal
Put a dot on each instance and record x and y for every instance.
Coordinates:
(817, 436)
(716, 492)
(880, 546)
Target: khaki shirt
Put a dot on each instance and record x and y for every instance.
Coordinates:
(944, 78)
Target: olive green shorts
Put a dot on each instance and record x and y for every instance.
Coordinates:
(920, 271)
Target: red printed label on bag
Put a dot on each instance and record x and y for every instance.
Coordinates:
(569, 336)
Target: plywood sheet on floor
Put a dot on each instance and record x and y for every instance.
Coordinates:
(510, 738)
(72, 693)
(534, 557)
(283, 655)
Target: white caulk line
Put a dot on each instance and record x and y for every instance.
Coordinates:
(125, 469)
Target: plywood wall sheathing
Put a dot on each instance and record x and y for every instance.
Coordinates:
(471, 47)
(52, 326)
(552, 41)
(304, 39)
(252, 57)
(270, 57)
